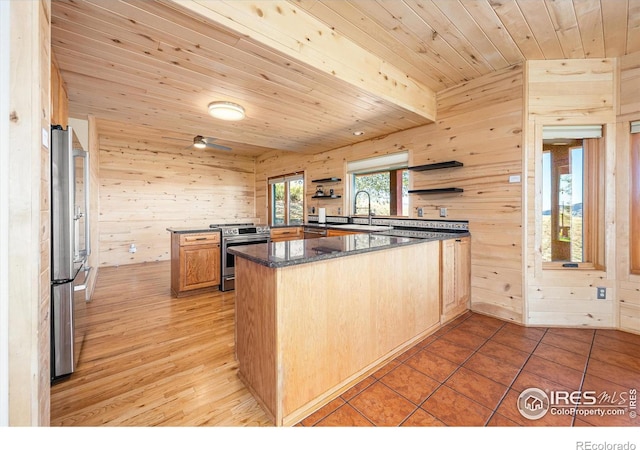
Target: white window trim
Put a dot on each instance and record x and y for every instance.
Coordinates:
(391, 161)
(571, 131)
(550, 132)
(276, 180)
(379, 163)
(282, 179)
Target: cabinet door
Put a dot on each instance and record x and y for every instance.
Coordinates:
(463, 272)
(447, 277)
(200, 266)
(455, 277)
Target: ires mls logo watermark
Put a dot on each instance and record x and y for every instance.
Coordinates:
(534, 403)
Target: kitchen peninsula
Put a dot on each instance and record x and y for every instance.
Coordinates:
(314, 316)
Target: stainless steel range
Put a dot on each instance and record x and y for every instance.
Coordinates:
(233, 235)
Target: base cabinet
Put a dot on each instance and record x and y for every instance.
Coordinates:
(195, 262)
(455, 277)
(299, 344)
(332, 232)
(286, 234)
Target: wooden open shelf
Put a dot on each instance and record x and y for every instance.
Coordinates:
(435, 166)
(327, 180)
(436, 191)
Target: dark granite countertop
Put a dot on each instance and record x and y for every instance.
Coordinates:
(193, 230)
(302, 251)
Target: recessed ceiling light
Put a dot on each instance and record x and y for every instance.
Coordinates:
(226, 111)
(358, 133)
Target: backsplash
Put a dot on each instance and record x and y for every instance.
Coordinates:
(461, 225)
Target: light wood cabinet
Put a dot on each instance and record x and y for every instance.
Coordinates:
(332, 232)
(195, 262)
(455, 277)
(286, 234)
(303, 334)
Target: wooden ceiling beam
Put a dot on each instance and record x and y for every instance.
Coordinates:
(292, 31)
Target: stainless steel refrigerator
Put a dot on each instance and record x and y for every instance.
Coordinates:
(69, 250)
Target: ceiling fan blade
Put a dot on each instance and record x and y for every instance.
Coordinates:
(207, 141)
(218, 147)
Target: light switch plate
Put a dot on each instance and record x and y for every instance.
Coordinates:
(443, 212)
(45, 138)
(419, 212)
(514, 178)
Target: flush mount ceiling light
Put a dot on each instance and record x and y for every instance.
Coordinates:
(226, 111)
(358, 133)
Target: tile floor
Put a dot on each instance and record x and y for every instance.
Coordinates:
(472, 370)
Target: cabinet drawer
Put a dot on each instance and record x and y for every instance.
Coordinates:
(285, 232)
(199, 238)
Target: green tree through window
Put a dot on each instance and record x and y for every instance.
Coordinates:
(286, 200)
(388, 189)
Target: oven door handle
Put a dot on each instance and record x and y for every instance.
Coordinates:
(235, 240)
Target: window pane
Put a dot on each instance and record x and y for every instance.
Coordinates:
(562, 202)
(277, 192)
(296, 202)
(388, 196)
(577, 234)
(405, 193)
(377, 185)
(546, 206)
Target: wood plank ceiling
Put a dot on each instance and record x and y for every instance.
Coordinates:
(308, 72)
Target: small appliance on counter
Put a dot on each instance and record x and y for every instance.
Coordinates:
(322, 215)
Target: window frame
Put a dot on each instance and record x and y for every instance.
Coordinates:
(634, 202)
(593, 204)
(391, 163)
(286, 179)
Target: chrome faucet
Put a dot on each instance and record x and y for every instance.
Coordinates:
(355, 204)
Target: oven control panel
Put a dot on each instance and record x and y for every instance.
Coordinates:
(239, 231)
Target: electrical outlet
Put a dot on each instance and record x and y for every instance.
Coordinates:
(132, 248)
(339, 211)
(602, 293)
(419, 212)
(443, 212)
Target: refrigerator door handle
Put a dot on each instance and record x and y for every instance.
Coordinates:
(85, 282)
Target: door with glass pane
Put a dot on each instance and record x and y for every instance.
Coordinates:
(286, 200)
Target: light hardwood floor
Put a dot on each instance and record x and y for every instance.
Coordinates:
(150, 359)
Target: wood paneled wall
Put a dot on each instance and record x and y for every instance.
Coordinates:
(59, 97)
(28, 278)
(479, 124)
(569, 92)
(148, 183)
(628, 288)
(94, 202)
